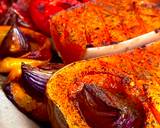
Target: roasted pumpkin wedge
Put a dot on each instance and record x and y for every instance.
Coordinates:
(114, 91)
(100, 23)
(28, 92)
(32, 107)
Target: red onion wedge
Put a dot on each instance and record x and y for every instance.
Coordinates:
(35, 78)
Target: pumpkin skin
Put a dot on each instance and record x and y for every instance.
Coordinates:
(139, 77)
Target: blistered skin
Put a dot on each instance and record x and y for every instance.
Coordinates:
(100, 23)
(136, 73)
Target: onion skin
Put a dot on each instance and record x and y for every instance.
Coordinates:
(109, 108)
(14, 43)
(40, 45)
(35, 78)
(34, 107)
(40, 50)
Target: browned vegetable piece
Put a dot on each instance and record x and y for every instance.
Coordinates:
(40, 45)
(100, 23)
(28, 92)
(35, 78)
(130, 81)
(38, 53)
(13, 66)
(110, 108)
(34, 108)
(14, 43)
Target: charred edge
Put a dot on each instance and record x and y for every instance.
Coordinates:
(157, 30)
(89, 45)
(59, 118)
(9, 95)
(7, 90)
(50, 66)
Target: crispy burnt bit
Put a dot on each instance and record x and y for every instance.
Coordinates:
(51, 67)
(83, 1)
(14, 44)
(102, 108)
(7, 90)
